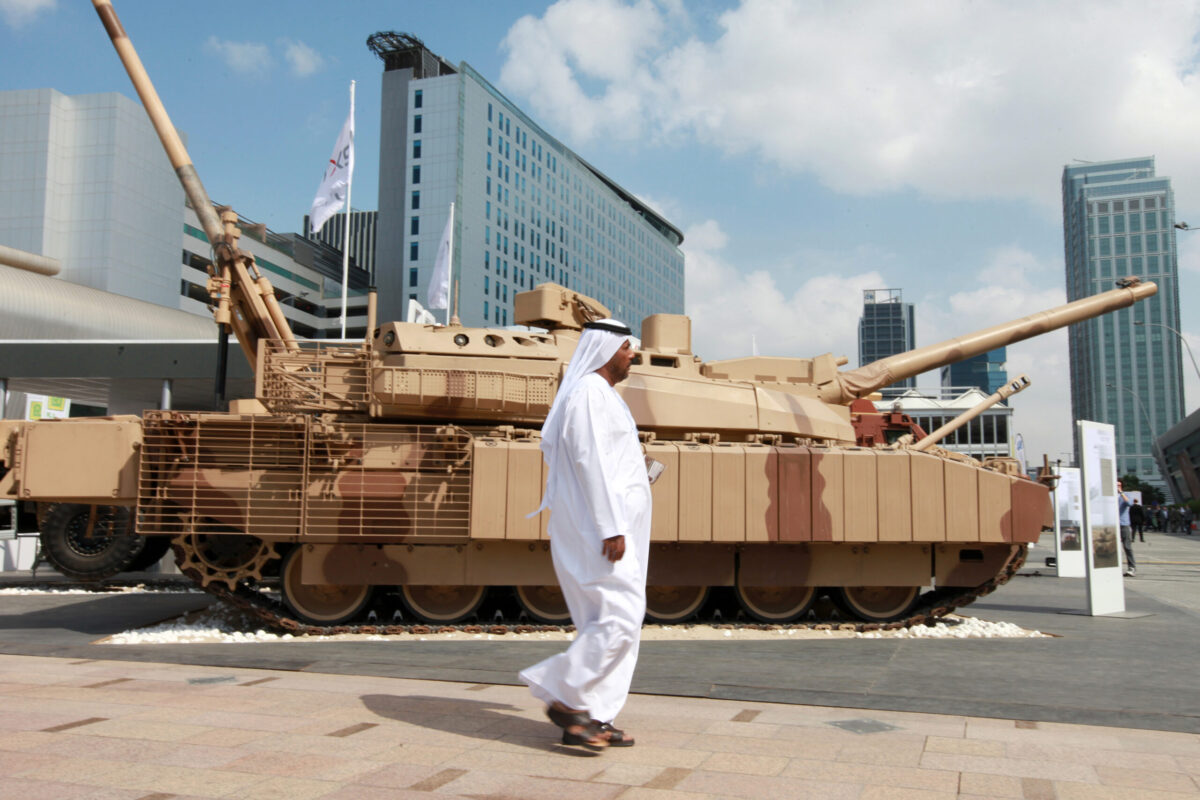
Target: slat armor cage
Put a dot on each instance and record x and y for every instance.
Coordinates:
(281, 477)
(313, 376)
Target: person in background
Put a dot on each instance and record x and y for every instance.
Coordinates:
(1123, 506)
(1137, 520)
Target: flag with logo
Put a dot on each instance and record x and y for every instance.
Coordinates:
(331, 195)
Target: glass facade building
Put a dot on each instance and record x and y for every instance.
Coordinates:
(986, 371)
(887, 327)
(527, 209)
(1119, 220)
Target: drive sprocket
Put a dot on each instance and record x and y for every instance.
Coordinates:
(227, 559)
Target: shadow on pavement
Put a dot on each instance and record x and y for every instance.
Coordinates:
(477, 718)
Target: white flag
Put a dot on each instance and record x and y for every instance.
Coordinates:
(331, 195)
(439, 283)
(418, 313)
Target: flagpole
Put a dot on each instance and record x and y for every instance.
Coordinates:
(346, 233)
(450, 263)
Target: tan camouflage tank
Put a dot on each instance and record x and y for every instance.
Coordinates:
(410, 460)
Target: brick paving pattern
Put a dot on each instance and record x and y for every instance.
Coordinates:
(118, 730)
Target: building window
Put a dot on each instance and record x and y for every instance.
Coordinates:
(416, 173)
(417, 124)
(489, 120)
(412, 276)
(416, 148)
(417, 99)
(489, 160)
(412, 252)
(485, 285)
(414, 226)
(485, 310)
(487, 260)
(416, 200)
(488, 188)
(505, 317)
(489, 144)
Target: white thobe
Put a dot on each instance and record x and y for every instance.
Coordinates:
(601, 491)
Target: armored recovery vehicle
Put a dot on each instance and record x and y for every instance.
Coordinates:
(411, 459)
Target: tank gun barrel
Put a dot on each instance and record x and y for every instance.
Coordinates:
(855, 383)
(176, 152)
(235, 281)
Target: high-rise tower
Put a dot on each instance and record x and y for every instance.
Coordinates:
(527, 209)
(886, 327)
(1118, 221)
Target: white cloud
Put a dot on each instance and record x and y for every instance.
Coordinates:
(18, 13)
(731, 308)
(247, 58)
(302, 59)
(1010, 286)
(959, 100)
(728, 307)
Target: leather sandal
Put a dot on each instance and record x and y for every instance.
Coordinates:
(578, 729)
(615, 736)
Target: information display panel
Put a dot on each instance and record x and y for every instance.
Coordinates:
(1068, 525)
(1101, 526)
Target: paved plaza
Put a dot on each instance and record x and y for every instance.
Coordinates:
(1107, 708)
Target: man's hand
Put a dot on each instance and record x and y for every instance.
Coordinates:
(614, 548)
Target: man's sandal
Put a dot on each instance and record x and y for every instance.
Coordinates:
(578, 728)
(615, 736)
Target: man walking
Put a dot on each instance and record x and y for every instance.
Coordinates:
(1123, 506)
(599, 495)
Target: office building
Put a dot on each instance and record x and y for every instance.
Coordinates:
(306, 275)
(1119, 220)
(1180, 449)
(985, 371)
(87, 183)
(886, 327)
(363, 226)
(986, 436)
(527, 209)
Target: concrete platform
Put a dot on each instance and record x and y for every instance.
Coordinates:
(76, 729)
(1121, 673)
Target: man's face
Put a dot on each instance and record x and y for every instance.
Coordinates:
(618, 366)
(1118, 486)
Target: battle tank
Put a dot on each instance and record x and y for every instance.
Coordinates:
(411, 460)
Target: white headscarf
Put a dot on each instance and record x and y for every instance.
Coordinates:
(596, 346)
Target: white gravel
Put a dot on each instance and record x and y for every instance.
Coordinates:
(223, 624)
(136, 588)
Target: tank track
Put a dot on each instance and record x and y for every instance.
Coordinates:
(930, 607)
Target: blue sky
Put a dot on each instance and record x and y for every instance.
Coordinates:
(808, 150)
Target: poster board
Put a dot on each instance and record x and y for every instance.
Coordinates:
(1101, 528)
(1069, 554)
(40, 406)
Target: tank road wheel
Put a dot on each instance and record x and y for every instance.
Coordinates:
(667, 605)
(544, 604)
(876, 603)
(88, 545)
(776, 605)
(222, 558)
(320, 604)
(442, 604)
